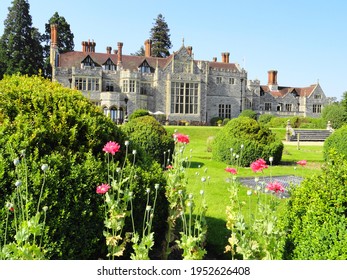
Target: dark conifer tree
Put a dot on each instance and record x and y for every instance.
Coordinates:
(20, 44)
(160, 36)
(65, 40)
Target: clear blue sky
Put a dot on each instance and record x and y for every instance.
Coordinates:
(303, 40)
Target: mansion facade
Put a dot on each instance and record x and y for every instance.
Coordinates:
(178, 86)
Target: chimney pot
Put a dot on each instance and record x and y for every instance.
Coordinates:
(272, 77)
(120, 47)
(190, 50)
(148, 48)
(214, 59)
(109, 50)
(227, 54)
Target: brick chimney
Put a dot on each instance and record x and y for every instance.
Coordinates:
(54, 35)
(108, 50)
(272, 79)
(148, 48)
(190, 50)
(223, 57)
(84, 46)
(53, 57)
(92, 46)
(227, 57)
(214, 59)
(119, 53)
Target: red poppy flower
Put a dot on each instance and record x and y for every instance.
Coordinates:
(302, 162)
(102, 189)
(111, 147)
(231, 170)
(275, 187)
(181, 138)
(258, 165)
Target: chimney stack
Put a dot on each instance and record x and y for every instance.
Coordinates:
(109, 50)
(227, 57)
(54, 35)
(190, 50)
(272, 80)
(214, 59)
(119, 53)
(272, 77)
(148, 48)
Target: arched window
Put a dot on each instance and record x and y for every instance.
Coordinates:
(113, 114)
(105, 110)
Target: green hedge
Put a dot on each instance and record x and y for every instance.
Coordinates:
(316, 215)
(149, 137)
(60, 127)
(257, 141)
(337, 142)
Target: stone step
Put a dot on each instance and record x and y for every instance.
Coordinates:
(310, 135)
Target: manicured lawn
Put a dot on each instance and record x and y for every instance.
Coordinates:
(216, 185)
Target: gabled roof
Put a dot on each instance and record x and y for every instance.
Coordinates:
(283, 90)
(130, 62)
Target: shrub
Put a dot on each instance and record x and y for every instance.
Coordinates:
(214, 120)
(316, 215)
(277, 122)
(336, 114)
(248, 113)
(149, 137)
(59, 127)
(138, 113)
(265, 119)
(257, 142)
(225, 121)
(336, 141)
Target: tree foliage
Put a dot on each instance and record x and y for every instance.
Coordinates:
(160, 36)
(20, 44)
(65, 39)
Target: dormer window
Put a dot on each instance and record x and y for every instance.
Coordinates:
(88, 61)
(109, 65)
(145, 68)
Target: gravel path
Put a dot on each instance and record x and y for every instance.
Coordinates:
(285, 181)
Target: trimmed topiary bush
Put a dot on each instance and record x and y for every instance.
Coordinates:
(248, 113)
(337, 142)
(59, 127)
(316, 215)
(257, 141)
(138, 113)
(214, 120)
(149, 137)
(265, 119)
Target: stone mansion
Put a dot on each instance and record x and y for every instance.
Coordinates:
(178, 86)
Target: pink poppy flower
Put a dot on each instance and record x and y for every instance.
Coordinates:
(275, 187)
(231, 170)
(102, 189)
(258, 165)
(302, 162)
(181, 138)
(111, 147)
(169, 167)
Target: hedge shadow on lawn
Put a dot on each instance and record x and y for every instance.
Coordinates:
(217, 239)
(195, 164)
